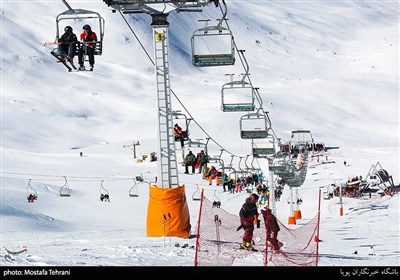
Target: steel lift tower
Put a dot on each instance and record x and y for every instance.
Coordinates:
(167, 175)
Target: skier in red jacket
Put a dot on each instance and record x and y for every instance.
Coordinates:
(89, 39)
(272, 228)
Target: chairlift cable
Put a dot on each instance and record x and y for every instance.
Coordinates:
(242, 59)
(134, 34)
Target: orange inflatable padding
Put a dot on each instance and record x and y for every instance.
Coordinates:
(172, 204)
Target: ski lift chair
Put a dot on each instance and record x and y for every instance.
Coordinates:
(65, 191)
(217, 201)
(263, 147)
(104, 194)
(183, 121)
(213, 45)
(253, 126)
(31, 193)
(133, 191)
(196, 196)
(72, 16)
(237, 96)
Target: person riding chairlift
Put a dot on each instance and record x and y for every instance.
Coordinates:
(178, 134)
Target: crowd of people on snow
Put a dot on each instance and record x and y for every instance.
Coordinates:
(249, 211)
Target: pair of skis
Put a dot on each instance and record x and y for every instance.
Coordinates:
(64, 62)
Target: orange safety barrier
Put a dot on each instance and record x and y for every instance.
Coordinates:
(168, 213)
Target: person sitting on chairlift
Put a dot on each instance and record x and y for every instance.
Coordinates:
(67, 45)
(89, 38)
(104, 197)
(31, 197)
(178, 134)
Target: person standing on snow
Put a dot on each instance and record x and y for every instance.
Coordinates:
(272, 228)
(248, 217)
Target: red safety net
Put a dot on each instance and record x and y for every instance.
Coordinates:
(218, 241)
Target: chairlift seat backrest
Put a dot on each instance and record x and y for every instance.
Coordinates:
(79, 15)
(217, 46)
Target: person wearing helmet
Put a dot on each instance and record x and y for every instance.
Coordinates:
(67, 45)
(89, 39)
(248, 218)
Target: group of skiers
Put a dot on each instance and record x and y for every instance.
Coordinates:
(68, 44)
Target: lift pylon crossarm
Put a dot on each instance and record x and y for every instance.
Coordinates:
(158, 6)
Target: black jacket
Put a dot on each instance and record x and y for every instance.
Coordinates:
(248, 209)
(68, 37)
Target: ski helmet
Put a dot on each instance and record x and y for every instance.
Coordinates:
(254, 197)
(87, 26)
(68, 29)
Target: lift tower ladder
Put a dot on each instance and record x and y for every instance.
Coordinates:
(167, 163)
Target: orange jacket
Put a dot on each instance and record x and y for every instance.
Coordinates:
(178, 131)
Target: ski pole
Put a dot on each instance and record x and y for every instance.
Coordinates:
(165, 219)
(217, 223)
(169, 228)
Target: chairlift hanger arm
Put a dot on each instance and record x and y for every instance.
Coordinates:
(66, 182)
(224, 10)
(220, 158)
(66, 4)
(230, 164)
(245, 161)
(258, 97)
(240, 168)
(245, 64)
(102, 187)
(30, 189)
